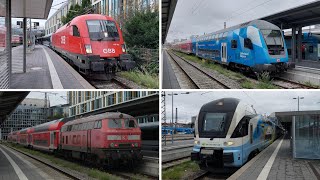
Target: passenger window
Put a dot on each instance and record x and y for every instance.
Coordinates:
(234, 44)
(66, 139)
(75, 31)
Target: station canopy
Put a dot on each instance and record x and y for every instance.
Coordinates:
(35, 9)
(168, 8)
(9, 101)
(305, 15)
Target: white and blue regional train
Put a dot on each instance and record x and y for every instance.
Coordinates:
(228, 133)
(256, 46)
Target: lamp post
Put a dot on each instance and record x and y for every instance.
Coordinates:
(299, 101)
(174, 94)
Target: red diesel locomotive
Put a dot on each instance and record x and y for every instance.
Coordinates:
(107, 139)
(93, 43)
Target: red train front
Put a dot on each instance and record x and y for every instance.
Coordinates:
(184, 46)
(93, 43)
(108, 139)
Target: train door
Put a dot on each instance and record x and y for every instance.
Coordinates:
(51, 140)
(224, 52)
(89, 141)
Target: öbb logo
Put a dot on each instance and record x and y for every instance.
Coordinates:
(109, 50)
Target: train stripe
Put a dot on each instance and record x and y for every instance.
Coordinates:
(16, 168)
(266, 169)
(56, 83)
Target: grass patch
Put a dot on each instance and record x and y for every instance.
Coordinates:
(95, 173)
(143, 79)
(179, 171)
(311, 85)
(247, 85)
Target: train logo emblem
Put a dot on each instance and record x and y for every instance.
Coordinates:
(63, 39)
(124, 137)
(109, 50)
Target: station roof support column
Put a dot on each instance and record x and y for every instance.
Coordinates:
(24, 45)
(294, 44)
(8, 37)
(299, 49)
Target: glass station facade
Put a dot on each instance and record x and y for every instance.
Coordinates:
(306, 136)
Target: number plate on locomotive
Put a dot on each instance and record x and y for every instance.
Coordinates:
(207, 151)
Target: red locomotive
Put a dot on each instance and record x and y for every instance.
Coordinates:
(2, 37)
(184, 46)
(93, 43)
(107, 139)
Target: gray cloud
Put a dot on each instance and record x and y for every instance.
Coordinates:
(54, 99)
(204, 16)
(263, 101)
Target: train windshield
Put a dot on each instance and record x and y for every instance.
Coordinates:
(274, 41)
(117, 123)
(214, 122)
(103, 30)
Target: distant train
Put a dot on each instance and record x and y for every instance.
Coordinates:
(2, 37)
(229, 133)
(256, 46)
(93, 43)
(104, 139)
(310, 48)
(179, 130)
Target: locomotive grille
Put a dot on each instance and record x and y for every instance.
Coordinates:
(125, 145)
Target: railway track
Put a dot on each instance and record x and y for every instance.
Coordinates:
(198, 77)
(108, 84)
(287, 84)
(202, 174)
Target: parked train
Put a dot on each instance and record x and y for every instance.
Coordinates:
(179, 130)
(2, 37)
(229, 133)
(106, 139)
(93, 43)
(256, 46)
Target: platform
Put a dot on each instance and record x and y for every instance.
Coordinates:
(276, 163)
(309, 63)
(45, 70)
(169, 79)
(14, 167)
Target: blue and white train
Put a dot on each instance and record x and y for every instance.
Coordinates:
(256, 46)
(228, 133)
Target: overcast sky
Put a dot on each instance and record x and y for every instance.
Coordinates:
(263, 101)
(59, 98)
(204, 16)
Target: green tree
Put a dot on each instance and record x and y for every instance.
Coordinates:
(76, 10)
(142, 30)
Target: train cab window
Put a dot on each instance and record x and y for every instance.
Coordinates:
(114, 123)
(129, 123)
(248, 43)
(75, 31)
(234, 44)
(98, 124)
(242, 128)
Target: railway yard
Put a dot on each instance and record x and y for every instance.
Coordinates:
(189, 72)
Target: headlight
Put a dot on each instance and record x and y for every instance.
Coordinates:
(123, 48)
(228, 143)
(196, 142)
(88, 48)
(136, 144)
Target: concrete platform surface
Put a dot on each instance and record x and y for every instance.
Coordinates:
(169, 79)
(276, 163)
(14, 167)
(45, 70)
